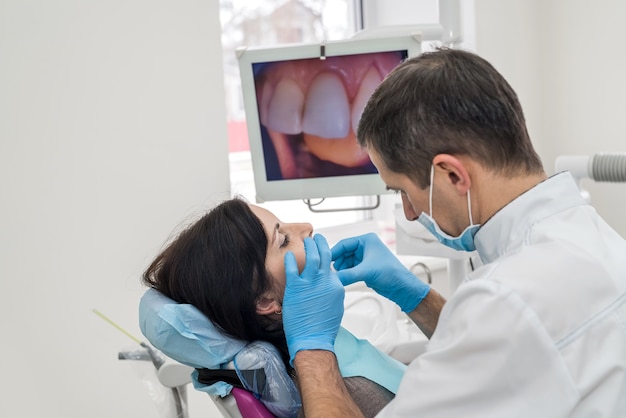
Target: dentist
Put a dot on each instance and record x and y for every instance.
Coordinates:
(539, 329)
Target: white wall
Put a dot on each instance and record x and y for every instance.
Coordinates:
(566, 59)
(112, 130)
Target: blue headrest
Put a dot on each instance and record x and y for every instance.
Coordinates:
(183, 333)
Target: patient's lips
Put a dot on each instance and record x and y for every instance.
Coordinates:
(323, 100)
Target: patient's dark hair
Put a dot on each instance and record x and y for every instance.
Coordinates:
(217, 264)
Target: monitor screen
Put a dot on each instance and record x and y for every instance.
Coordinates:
(303, 104)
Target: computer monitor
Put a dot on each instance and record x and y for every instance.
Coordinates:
(303, 103)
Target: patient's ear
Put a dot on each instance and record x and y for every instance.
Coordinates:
(267, 304)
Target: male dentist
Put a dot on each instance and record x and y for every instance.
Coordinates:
(539, 330)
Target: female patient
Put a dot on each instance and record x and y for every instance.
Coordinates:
(230, 265)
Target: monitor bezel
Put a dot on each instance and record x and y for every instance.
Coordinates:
(318, 187)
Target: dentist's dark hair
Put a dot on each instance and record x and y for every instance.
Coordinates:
(217, 264)
(447, 101)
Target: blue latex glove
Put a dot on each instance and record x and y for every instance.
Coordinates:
(313, 301)
(366, 258)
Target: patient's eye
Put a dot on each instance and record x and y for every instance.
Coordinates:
(285, 241)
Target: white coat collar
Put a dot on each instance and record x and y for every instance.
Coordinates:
(510, 227)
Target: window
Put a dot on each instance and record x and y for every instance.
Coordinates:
(266, 23)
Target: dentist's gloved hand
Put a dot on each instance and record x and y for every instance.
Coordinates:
(313, 300)
(366, 258)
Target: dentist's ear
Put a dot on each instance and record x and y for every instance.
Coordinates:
(455, 170)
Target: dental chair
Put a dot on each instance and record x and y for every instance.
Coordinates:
(243, 379)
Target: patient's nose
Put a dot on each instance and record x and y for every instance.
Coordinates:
(304, 229)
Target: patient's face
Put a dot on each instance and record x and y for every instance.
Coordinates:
(281, 238)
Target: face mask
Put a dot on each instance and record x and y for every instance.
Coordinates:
(465, 241)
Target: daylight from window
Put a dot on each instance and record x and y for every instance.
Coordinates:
(271, 23)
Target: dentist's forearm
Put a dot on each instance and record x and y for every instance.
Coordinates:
(426, 315)
(323, 391)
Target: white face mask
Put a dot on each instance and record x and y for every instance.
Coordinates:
(465, 241)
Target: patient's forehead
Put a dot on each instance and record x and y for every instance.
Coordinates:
(265, 216)
(258, 210)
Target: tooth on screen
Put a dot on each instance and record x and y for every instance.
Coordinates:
(371, 80)
(284, 110)
(326, 111)
(266, 94)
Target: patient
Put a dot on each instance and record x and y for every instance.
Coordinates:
(229, 264)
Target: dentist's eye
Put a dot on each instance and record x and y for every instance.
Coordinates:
(285, 241)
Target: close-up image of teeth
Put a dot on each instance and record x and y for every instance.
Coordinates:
(309, 110)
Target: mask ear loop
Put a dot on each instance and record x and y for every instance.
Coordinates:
(430, 192)
(430, 198)
(469, 207)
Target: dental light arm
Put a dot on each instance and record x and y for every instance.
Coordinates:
(604, 167)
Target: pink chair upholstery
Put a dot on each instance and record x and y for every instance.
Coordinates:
(249, 406)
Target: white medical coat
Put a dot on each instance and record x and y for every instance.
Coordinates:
(540, 329)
